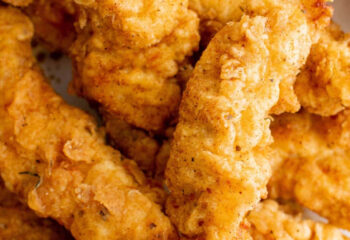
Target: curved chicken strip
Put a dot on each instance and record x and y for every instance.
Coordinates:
(54, 158)
(218, 167)
(17, 222)
(215, 14)
(312, 163)
(135, 84)
(272, 221)
(323, 86)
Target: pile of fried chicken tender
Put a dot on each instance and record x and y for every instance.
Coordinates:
(222, 120)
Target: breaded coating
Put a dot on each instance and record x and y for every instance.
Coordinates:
(218, 167)
(311, 164)
(151, 153)
(127, 53)
(137, 23)
(17, 222)
(54, 22)
(272, 221)
(323, 86)
(19, 3)
(221, 11)
(215, 14)
(55, 159)
(131, 78)
(133, 143)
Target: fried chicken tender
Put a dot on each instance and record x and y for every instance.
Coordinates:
(323, 87)
(215, 14)
(119, 64)
(127, 53)
(272, 221)
(55, 159)
(18, 222)
(312, 163)
(218, 167)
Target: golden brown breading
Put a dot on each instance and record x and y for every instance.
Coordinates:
(323, 86)
(133, 143)
(151, 153)
(17, 222)
(218, 167)
(215, 14)
(132, 80)
(272, 221)
(55, 159)
(142, 48)
(53, 21)
(312, 163)
(220, 11)
(137, 24)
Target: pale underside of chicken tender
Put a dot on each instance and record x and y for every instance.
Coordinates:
(71, 175)
(323, 86)
(218, 167)
(215, 14)
(272, 221)
(311, 163)
(132, 82)
(17, 222)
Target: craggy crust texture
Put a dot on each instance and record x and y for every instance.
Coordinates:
(218, 166)
(312, 163)
(222, 11)
(215, 14)
(55, 159)
(135, 84)
(271, 221)
(137, 23)
(323, 86)
(17, 222)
